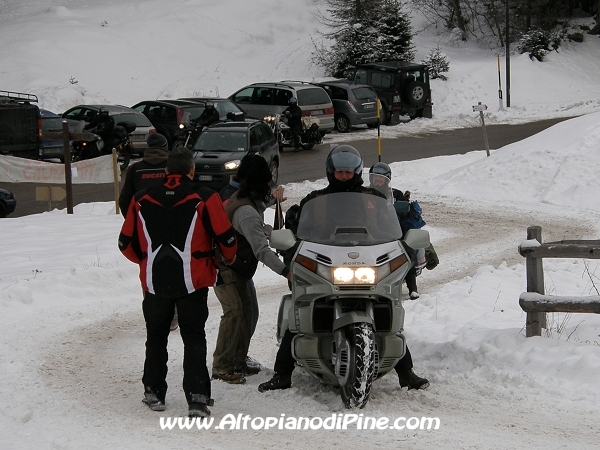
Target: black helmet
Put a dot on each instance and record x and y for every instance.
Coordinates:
(292, 101)
(382, 169)
(103, 110)
(344, 157)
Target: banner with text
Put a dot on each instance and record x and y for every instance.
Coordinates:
(21, 170)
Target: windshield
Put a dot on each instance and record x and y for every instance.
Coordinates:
(349, 218)
(229, 141)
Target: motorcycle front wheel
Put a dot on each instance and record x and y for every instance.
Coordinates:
(361, 365)
(178, 145)
(123, 158)
(307, 146)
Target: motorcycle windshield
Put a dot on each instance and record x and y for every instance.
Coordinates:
(348, 219)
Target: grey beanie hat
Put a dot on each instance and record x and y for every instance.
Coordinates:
(157, 140)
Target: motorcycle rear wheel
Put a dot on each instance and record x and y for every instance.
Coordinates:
(177, 145)
(123, 158)
(361, 365)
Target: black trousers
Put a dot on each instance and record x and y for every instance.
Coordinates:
(285, 362)
(193, 312)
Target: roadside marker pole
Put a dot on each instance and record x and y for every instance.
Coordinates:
(499, 87)
(378, 106)
(481, 108)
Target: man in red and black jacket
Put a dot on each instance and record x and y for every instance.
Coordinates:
(169, 230)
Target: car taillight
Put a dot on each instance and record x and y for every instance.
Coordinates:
(306, 113)
(179, 115)
(39, 129)
(152, 130)
(328, 110)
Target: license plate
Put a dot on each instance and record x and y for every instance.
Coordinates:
(316, 112)
(138, 137)
(369, 105)
(204, 177)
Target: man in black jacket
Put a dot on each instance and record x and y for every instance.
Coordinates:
(104, 126)
(147, 172)
(293, 114)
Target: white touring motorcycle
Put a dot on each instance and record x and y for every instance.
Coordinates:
(345, 305)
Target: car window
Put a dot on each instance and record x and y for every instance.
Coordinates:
(52, 124)
(364, 93)
(226, 107)
(282, 97)
(73, 114)
(141, 108)
(267, 132)
(139, 119)
(338, 93)
(194, 111)
(360, 76)
(154, 112)
(88, 115)
(313, 96)
(384, 80)
(243, 96)
(232, 141)
(264, 96)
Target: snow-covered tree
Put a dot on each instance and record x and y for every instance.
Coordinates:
(438, 64)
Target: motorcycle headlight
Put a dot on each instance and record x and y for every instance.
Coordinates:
(232, 165)
(354, 275)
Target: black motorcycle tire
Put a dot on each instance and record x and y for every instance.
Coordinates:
(307, 146)
(123, 158)
(361, 365)
(178, 145)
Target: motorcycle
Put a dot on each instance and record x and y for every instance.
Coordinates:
(345, 307)
(187, 135)
(309, 136)
(82, 150)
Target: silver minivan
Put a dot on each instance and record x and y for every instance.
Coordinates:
(264, 99)
(353, 103)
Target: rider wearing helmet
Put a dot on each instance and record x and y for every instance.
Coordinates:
(104, 126)
(209, 116)
(344, 172)
(293, 114)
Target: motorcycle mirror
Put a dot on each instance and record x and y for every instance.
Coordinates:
(282, 239)
(417, 239)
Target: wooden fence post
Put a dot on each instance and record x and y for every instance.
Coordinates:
(535, 283)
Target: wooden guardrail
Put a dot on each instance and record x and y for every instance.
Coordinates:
(534, 302)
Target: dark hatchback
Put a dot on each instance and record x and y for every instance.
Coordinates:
(221, 147)
(8, 202)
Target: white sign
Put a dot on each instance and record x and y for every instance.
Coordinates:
(479, 108)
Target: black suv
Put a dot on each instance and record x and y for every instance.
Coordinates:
(221, 147)
(167, 115)
(401, 86)
(20, 126)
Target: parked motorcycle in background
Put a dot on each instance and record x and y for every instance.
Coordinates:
(348, 269)
(309, 136)
(82, 150)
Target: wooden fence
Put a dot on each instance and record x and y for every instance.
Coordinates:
(534, 302)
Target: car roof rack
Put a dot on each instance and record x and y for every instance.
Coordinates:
(19, 96)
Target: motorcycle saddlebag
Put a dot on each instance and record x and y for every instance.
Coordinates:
(128, 126)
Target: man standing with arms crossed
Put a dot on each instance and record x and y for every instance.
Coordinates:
(169, 231)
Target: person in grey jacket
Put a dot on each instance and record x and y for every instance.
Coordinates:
(245, 210)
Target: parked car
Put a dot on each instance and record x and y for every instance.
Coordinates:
(401, 86)
(221, 147)
(8, 202)
(353, 103)
(260, 100)
(167, 115)
(51, 148)
(223, 105)
(143, 127)
(20, 132)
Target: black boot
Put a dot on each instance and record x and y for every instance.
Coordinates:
(278, 381)
(412, 380)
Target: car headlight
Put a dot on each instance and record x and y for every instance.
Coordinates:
(354, 275)
(232, 165)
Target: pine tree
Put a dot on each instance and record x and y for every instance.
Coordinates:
(395, 33)
(437, 63)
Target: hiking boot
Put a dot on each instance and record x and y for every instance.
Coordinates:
(414, 295)
(251, 362)
(231, 378)
(198, 410)
(278, 381)
(412, 380)
(153, 402)
(175, 321)
(248, 370)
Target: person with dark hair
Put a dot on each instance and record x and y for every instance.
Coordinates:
(344, 167)
(169, 232)
(245, 209)
(293, 114)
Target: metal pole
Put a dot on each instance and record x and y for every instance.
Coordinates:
(507, 58)
(378, 106)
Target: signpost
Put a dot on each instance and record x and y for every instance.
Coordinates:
(481, 108)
